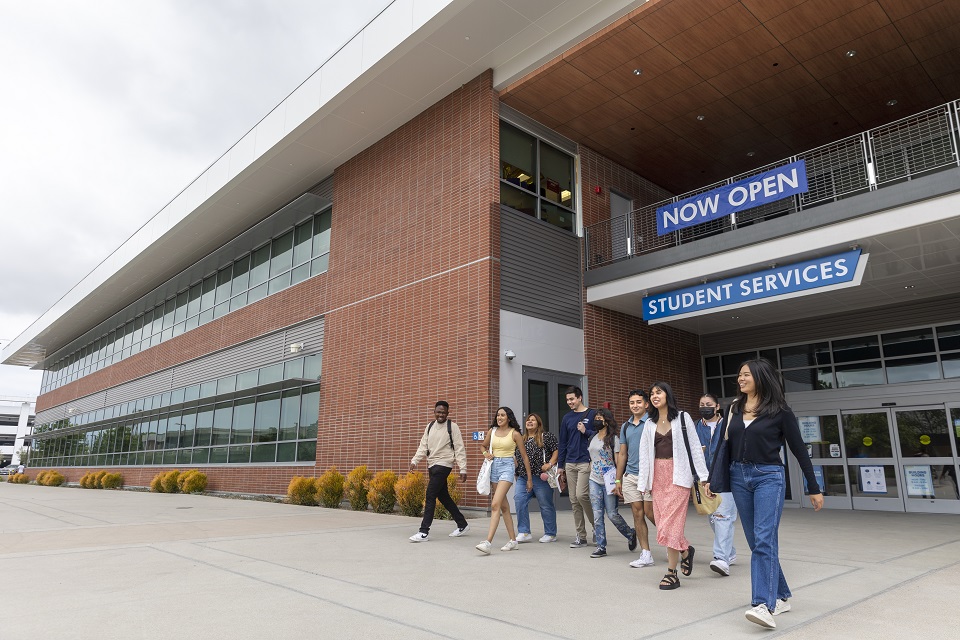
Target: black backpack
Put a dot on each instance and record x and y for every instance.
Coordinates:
(449, 434)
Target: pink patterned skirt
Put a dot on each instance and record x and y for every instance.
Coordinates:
(669, 506)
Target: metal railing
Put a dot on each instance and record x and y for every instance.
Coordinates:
(923, 143)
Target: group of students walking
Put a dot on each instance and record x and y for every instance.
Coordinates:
(651, 461)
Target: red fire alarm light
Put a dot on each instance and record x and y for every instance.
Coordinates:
(598, 189)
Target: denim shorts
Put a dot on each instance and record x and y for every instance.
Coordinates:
(504, 469)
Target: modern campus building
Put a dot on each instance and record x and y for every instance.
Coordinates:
(484, 201)
(16, 424)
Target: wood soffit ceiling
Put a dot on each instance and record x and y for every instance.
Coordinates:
(770, 77)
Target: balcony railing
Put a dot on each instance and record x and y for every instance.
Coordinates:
(913, 146)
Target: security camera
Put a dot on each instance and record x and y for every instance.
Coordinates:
(509, 354)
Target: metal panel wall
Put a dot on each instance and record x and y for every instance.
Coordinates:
(274, 347)
(850, 324)
(324, 188)
(539, 270)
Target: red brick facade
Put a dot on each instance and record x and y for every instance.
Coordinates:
(621, 351)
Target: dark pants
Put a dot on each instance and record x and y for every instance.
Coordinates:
(437, 490)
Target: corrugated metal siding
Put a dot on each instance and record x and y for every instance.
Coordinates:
(850, 324)
(274, 347)
(539, 270)
(324, 189)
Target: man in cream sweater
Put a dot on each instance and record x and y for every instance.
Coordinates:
(441, 445)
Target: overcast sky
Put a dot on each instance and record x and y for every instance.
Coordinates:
(110, 108)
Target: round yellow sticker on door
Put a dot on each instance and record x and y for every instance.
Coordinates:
(867, 441)
(924, 439)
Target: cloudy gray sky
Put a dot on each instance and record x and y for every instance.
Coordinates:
(112, 107)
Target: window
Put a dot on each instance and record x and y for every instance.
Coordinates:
(536, 178)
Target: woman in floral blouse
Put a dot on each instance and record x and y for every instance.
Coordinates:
(541, 449)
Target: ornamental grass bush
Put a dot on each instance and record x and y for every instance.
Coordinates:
(302, 490)
(111, 481)
(98, 479)
(156, 485)
(50, 478)
(381, 492)
(453, 486)
(169, 481)
(86, 481)
(330, 488)
(357, 486)
(19, 478)
(411, 491)
(192, 481)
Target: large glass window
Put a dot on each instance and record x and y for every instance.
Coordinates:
(536, 178)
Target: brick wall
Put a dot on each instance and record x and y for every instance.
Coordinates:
(621, 351)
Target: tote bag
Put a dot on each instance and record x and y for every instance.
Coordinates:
(705, 506)
(483, 478)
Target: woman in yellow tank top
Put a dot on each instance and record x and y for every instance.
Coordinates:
(504, 438)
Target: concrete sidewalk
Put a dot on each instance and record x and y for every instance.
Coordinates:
(127, 565)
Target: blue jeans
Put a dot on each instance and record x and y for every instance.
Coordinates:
(601, 501)
(722, 522)
(758, 490)
(544, 494)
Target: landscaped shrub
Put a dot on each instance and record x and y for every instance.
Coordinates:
(381, 493)
(411, 492)
(330, 488)
(98, 479)
(50, 478)
(111, 481)
(453, 486)
(19, 478)
(192, 481)
(156, 485)
(358, 482)
(85, 481)
(169, 481)
(303, 491)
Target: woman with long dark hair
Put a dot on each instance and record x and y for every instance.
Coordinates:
(504, 438)
(603, 449)
(541, 446)
(665, 470)
(759, 425)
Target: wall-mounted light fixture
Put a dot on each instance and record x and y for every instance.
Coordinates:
(296, 347)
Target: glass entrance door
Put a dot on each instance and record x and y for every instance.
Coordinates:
(872, 461)
(821, 433)
(927, 447)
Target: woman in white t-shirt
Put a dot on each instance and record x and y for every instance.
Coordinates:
(603, 448)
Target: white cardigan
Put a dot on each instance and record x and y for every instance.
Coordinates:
(682, 476)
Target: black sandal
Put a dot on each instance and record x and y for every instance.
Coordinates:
(670, 580)
(686, 564)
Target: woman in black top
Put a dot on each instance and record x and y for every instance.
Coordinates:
(760, 423)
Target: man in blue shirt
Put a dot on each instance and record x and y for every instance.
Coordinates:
(628, 467)
(710, 430)
(573, 461)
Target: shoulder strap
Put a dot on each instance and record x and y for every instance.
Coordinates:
(726, 423)
(450, 433)
(429, 426)
(686, 443)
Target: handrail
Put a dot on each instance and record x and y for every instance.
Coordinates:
(900, 150)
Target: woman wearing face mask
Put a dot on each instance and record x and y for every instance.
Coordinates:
(603, 448)
(504, 438)
(541, 449)
(710, 431)
(665, 470)
(760, 423)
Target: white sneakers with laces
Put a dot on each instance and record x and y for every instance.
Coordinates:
(456, 533)
(547, 538)
(524, 537)
(510, 546)
(719, 566)
(645, 560)
(484, 547)
(761, 615)
(419, 536)
(782, 607)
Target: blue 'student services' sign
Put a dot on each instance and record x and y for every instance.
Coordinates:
(803, 278)
(769, 186)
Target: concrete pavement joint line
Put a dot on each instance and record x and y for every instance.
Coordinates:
(43, 515)
(308, 595)
(892, 587)
(52, 509)
(385, 591)
(907, 555)
(741, 608)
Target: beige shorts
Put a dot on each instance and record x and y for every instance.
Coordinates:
(631, 493)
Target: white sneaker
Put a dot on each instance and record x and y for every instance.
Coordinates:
(419, 536)
(524, 537)
(645, 560)
(782, 607)
(456, 533)
(721, 567)
(733, 561)
(510, 546)
(547, 538)
(761, 615)
(484, 547)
